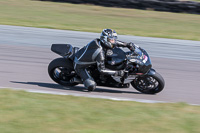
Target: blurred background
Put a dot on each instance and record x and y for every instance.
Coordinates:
(89, 17)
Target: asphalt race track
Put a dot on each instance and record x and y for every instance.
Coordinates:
(25, 55)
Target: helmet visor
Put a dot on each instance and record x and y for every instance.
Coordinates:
(112, 39)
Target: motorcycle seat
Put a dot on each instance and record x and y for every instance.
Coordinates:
(75, 50)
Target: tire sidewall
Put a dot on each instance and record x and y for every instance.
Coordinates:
(158, 89)
(60, 62)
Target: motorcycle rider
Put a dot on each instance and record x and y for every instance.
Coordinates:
(94, 53)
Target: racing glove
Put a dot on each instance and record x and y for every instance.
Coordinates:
(131, 46)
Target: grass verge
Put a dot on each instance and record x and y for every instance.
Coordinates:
(24, 112)
(91, 18)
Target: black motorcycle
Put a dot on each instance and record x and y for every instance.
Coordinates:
(137, 66)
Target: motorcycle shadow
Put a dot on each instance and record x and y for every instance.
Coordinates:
(74, 88)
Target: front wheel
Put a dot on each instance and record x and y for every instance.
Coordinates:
(61, 71)
(149, 84)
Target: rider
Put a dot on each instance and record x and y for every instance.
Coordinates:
(94, 53)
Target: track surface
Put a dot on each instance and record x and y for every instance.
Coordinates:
(25, 55)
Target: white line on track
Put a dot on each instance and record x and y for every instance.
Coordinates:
(85, 95)
(89, 96)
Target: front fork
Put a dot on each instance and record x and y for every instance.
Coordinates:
(151, 72)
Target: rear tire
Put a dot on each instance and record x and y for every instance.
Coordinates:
(61, 71)
(149, 84)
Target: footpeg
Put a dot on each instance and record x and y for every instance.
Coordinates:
(75, 80)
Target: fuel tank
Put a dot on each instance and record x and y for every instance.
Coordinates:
(115, 59)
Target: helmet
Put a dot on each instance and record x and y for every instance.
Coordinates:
(108, 38)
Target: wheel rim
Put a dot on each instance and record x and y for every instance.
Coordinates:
(63, 74)
(147, 83)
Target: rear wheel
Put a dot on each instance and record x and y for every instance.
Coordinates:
(61, 71)
(149, 84)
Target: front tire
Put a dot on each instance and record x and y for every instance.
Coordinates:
(61, 71)
(149, 84)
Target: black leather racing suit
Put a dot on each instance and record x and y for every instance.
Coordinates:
(90, 54)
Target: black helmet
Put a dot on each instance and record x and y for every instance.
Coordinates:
(108, 38)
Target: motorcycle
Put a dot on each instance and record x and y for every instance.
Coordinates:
(137, 65)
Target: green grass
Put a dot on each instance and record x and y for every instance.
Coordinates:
(91, 18)
(23, 112)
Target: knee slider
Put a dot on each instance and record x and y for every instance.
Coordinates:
(90, 84)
